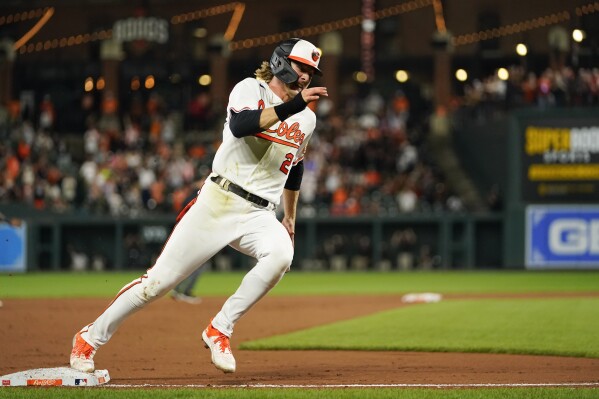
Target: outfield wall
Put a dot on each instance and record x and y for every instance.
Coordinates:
(545, 166)
(439, 241)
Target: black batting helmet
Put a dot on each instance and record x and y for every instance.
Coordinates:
(298, 50)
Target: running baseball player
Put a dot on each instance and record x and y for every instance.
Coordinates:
(265, 135)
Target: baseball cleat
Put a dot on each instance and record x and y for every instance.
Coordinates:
(82, 355)
(192, 300)
(219, 346)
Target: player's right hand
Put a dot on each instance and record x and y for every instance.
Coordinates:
(313, 93)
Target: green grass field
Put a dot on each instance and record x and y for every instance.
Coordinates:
(77, 285)
(568, 325)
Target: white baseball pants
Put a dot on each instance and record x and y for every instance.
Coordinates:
(217, 219)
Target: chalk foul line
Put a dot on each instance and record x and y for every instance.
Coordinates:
(325, 386)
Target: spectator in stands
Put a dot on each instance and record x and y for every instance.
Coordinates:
(47, 118)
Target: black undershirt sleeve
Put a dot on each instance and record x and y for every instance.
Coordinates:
(294, 180)
(245, 123)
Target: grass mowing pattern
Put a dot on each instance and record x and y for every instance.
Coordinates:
(293, 393)
(445, 282)
(79, 285)
(565, 327)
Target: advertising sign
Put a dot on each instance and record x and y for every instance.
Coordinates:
(13, 248)
(561, 237)
(560, 161)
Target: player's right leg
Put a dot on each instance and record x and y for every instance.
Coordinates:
(131, 298)
(194, 240)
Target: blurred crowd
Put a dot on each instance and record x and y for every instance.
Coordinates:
(369, 155)
(365, 158)
(553, 87)
(122, 164)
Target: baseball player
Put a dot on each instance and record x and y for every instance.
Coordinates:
(183, 292)
(265, 135)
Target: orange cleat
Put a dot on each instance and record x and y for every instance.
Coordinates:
(219, 346)
(82, 355)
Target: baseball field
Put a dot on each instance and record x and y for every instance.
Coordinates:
(511, 334)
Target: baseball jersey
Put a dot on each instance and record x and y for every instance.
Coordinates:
(261, 163)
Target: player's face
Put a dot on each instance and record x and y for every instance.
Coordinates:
(305, 73)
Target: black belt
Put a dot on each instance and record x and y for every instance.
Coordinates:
(235, 189)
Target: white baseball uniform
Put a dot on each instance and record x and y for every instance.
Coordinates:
(259, 165)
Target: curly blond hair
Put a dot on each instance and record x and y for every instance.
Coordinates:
(264, 72)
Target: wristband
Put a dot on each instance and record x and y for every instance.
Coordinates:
(292, 107)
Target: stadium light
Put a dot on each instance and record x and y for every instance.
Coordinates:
(89, 84)
(135, 84)
(200, 33)
(205, 80)
(461, 75)
(150, 82)
(503, 74)
(521, 49)
(578, 35)
(402, 76)
(100, 83)
(360, 77)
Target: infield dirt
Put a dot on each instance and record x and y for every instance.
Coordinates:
(162, 345)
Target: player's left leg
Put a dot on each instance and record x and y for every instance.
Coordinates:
(266, 240)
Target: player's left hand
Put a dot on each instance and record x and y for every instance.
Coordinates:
(290, 227)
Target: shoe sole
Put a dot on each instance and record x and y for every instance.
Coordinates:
(192, 301)
(207, 346)
(82, 369)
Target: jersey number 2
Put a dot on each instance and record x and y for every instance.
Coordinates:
(286, 165)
